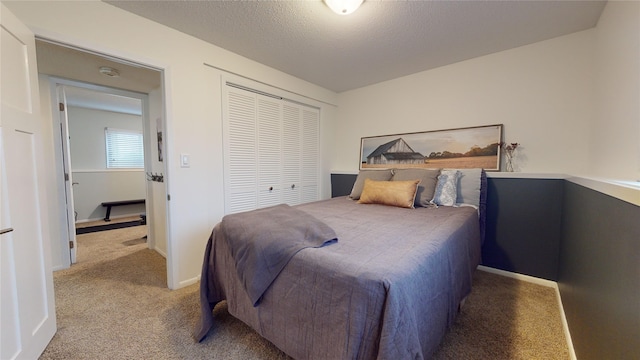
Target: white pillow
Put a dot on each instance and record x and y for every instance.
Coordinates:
(447, 188)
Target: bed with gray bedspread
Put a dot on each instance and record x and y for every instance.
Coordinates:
(388, 288)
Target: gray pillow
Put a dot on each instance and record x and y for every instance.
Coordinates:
(427, 186)
(469, 187)
(378, 175)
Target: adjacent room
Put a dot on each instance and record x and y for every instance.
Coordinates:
(486, 149)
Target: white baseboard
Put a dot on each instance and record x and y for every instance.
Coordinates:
(543, 282)
(188, 282)
(565, 325)
(527, 278)
(57, 267)
(160, 252)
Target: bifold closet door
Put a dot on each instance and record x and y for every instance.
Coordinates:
(269, 140)
(291, 153)
(271, 153)
(240, 150)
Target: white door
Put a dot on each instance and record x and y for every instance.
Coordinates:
(27, 320)
(68, 176)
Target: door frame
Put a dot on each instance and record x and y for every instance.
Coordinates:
(165, 72)
(62, 149)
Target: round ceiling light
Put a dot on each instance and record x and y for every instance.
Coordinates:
(343, 7)
(109, 71)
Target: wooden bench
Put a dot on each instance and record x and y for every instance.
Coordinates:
(110, 204)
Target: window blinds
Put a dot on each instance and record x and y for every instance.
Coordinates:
(124, 149)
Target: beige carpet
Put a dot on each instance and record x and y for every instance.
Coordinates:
(114, 304)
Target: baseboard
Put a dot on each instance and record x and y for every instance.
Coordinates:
(565, 325)
(543, 282)
(164, 255)
(188, 282)
(527, 278)
(107, 226)
(110, 217)
(57, 267)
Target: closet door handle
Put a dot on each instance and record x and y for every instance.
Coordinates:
(293, 186)
(7, 230)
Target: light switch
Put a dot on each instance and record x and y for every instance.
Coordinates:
(185, 161)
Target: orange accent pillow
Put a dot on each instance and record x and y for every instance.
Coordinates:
(394, 193)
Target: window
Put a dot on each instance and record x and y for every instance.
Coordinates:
(124, 149)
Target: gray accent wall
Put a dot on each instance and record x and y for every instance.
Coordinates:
(599, 274)
(523, 226)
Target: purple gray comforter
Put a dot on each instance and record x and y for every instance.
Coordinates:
(263, 241)
(389, 289)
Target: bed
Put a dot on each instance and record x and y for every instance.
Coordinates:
(388, 286)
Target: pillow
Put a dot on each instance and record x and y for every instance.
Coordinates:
(394, 193)
(426, 187)
(446, 188)
(469, 187)
(380, 175)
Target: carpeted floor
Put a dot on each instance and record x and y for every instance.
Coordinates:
(114, 304)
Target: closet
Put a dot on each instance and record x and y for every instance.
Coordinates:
(271, 150)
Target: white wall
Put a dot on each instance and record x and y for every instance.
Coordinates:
(615, 135)
(87, 138)
(94, 183)
(573, 102)
(97, 186)
(542, 93)
(192, 104)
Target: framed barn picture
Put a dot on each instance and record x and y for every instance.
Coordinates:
(463, 148)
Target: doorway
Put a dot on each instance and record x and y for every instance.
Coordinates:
(94, 85)
(101, 137)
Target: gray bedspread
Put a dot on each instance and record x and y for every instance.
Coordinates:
(263, 241)
(389, 289)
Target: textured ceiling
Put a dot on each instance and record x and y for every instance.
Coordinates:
(382, 40)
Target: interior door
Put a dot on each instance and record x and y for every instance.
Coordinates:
(27, 320)
(68, 176)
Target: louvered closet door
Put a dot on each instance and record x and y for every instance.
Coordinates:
(239, 138)
(291, 153)
(310, 154)
(269, 151)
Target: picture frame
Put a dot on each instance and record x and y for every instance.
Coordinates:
(461, 148)
(159, 139)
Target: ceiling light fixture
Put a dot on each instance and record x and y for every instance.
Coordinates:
(109, 71)
(343, 7)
